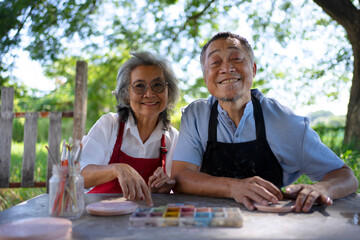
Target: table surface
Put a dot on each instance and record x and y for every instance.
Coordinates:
(339, 221)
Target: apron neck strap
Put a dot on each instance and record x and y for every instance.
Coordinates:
(213, 122)
(163, 152)
(259, 118)
(258, 115)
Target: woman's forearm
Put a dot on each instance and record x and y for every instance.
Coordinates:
(97, 174)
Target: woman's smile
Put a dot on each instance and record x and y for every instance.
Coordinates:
(150, 103)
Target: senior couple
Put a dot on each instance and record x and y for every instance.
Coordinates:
(235, 144)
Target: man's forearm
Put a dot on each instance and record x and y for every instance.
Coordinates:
(340, 183)
(202, 184)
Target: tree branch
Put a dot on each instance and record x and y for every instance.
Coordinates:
(192, 18)
(18, 31)
(344, 12)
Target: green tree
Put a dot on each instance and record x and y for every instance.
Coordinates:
(47, 22)
(347, 15)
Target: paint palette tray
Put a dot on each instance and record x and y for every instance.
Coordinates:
(187, 216)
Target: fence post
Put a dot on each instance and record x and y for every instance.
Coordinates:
(6, 126)
(54, 142)
(80, 105)
(28, 165)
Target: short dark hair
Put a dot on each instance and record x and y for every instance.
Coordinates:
(225, 35)
(123, 82)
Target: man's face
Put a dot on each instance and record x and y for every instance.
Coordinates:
(228, 72)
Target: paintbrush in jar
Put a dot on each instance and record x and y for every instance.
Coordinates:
(52, 156)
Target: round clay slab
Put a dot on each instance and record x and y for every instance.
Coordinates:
(119, 206)
(280, 207)
(36, 228)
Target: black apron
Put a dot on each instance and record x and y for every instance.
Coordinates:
(241, 160)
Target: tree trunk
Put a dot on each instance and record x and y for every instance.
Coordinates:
(347, 15)
(352, 129)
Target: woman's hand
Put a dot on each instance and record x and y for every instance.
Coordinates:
(132, 184)
(159, 182)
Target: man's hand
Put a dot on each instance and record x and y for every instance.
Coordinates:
(306, 195)
(246, 191)
(254, 189)
(132, 184)
(159, 182)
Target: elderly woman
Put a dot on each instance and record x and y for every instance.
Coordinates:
(124, 151)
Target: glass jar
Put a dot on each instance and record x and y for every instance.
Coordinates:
(66, 192)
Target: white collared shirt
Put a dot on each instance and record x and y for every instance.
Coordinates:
(99, 143)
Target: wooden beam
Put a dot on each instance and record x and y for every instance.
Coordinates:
(65, 114)
(6, 126)
(54, 142)
(29, 156)
(19, 185)
(80, 105)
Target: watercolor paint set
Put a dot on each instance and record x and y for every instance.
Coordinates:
(187, 216)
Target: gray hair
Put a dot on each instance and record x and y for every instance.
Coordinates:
(225, 35)
(124, 78)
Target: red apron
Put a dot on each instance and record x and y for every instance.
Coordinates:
(144, 166)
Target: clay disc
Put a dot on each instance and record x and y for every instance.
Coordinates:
(119, 206)
(36, 228)
(281, 206)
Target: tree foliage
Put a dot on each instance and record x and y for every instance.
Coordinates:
(47, 23)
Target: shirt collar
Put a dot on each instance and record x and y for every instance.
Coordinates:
(247, 111)
(131, 128)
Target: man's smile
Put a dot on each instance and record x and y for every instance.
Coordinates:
(230, 80)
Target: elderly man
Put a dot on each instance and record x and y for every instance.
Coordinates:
(239, 144)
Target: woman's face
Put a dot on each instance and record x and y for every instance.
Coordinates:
(149, 103)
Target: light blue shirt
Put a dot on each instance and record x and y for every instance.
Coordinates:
(295, 144)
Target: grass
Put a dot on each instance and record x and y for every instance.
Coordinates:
(13, 196)
(17, 150)
(331, 137)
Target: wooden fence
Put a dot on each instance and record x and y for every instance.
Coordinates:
(30, 131)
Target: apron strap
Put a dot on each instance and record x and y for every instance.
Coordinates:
(258, 115)
(213, 123)
(121, 131)
(259, 118)
(163, 152)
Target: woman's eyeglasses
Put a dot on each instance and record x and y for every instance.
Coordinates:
(140, 87)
